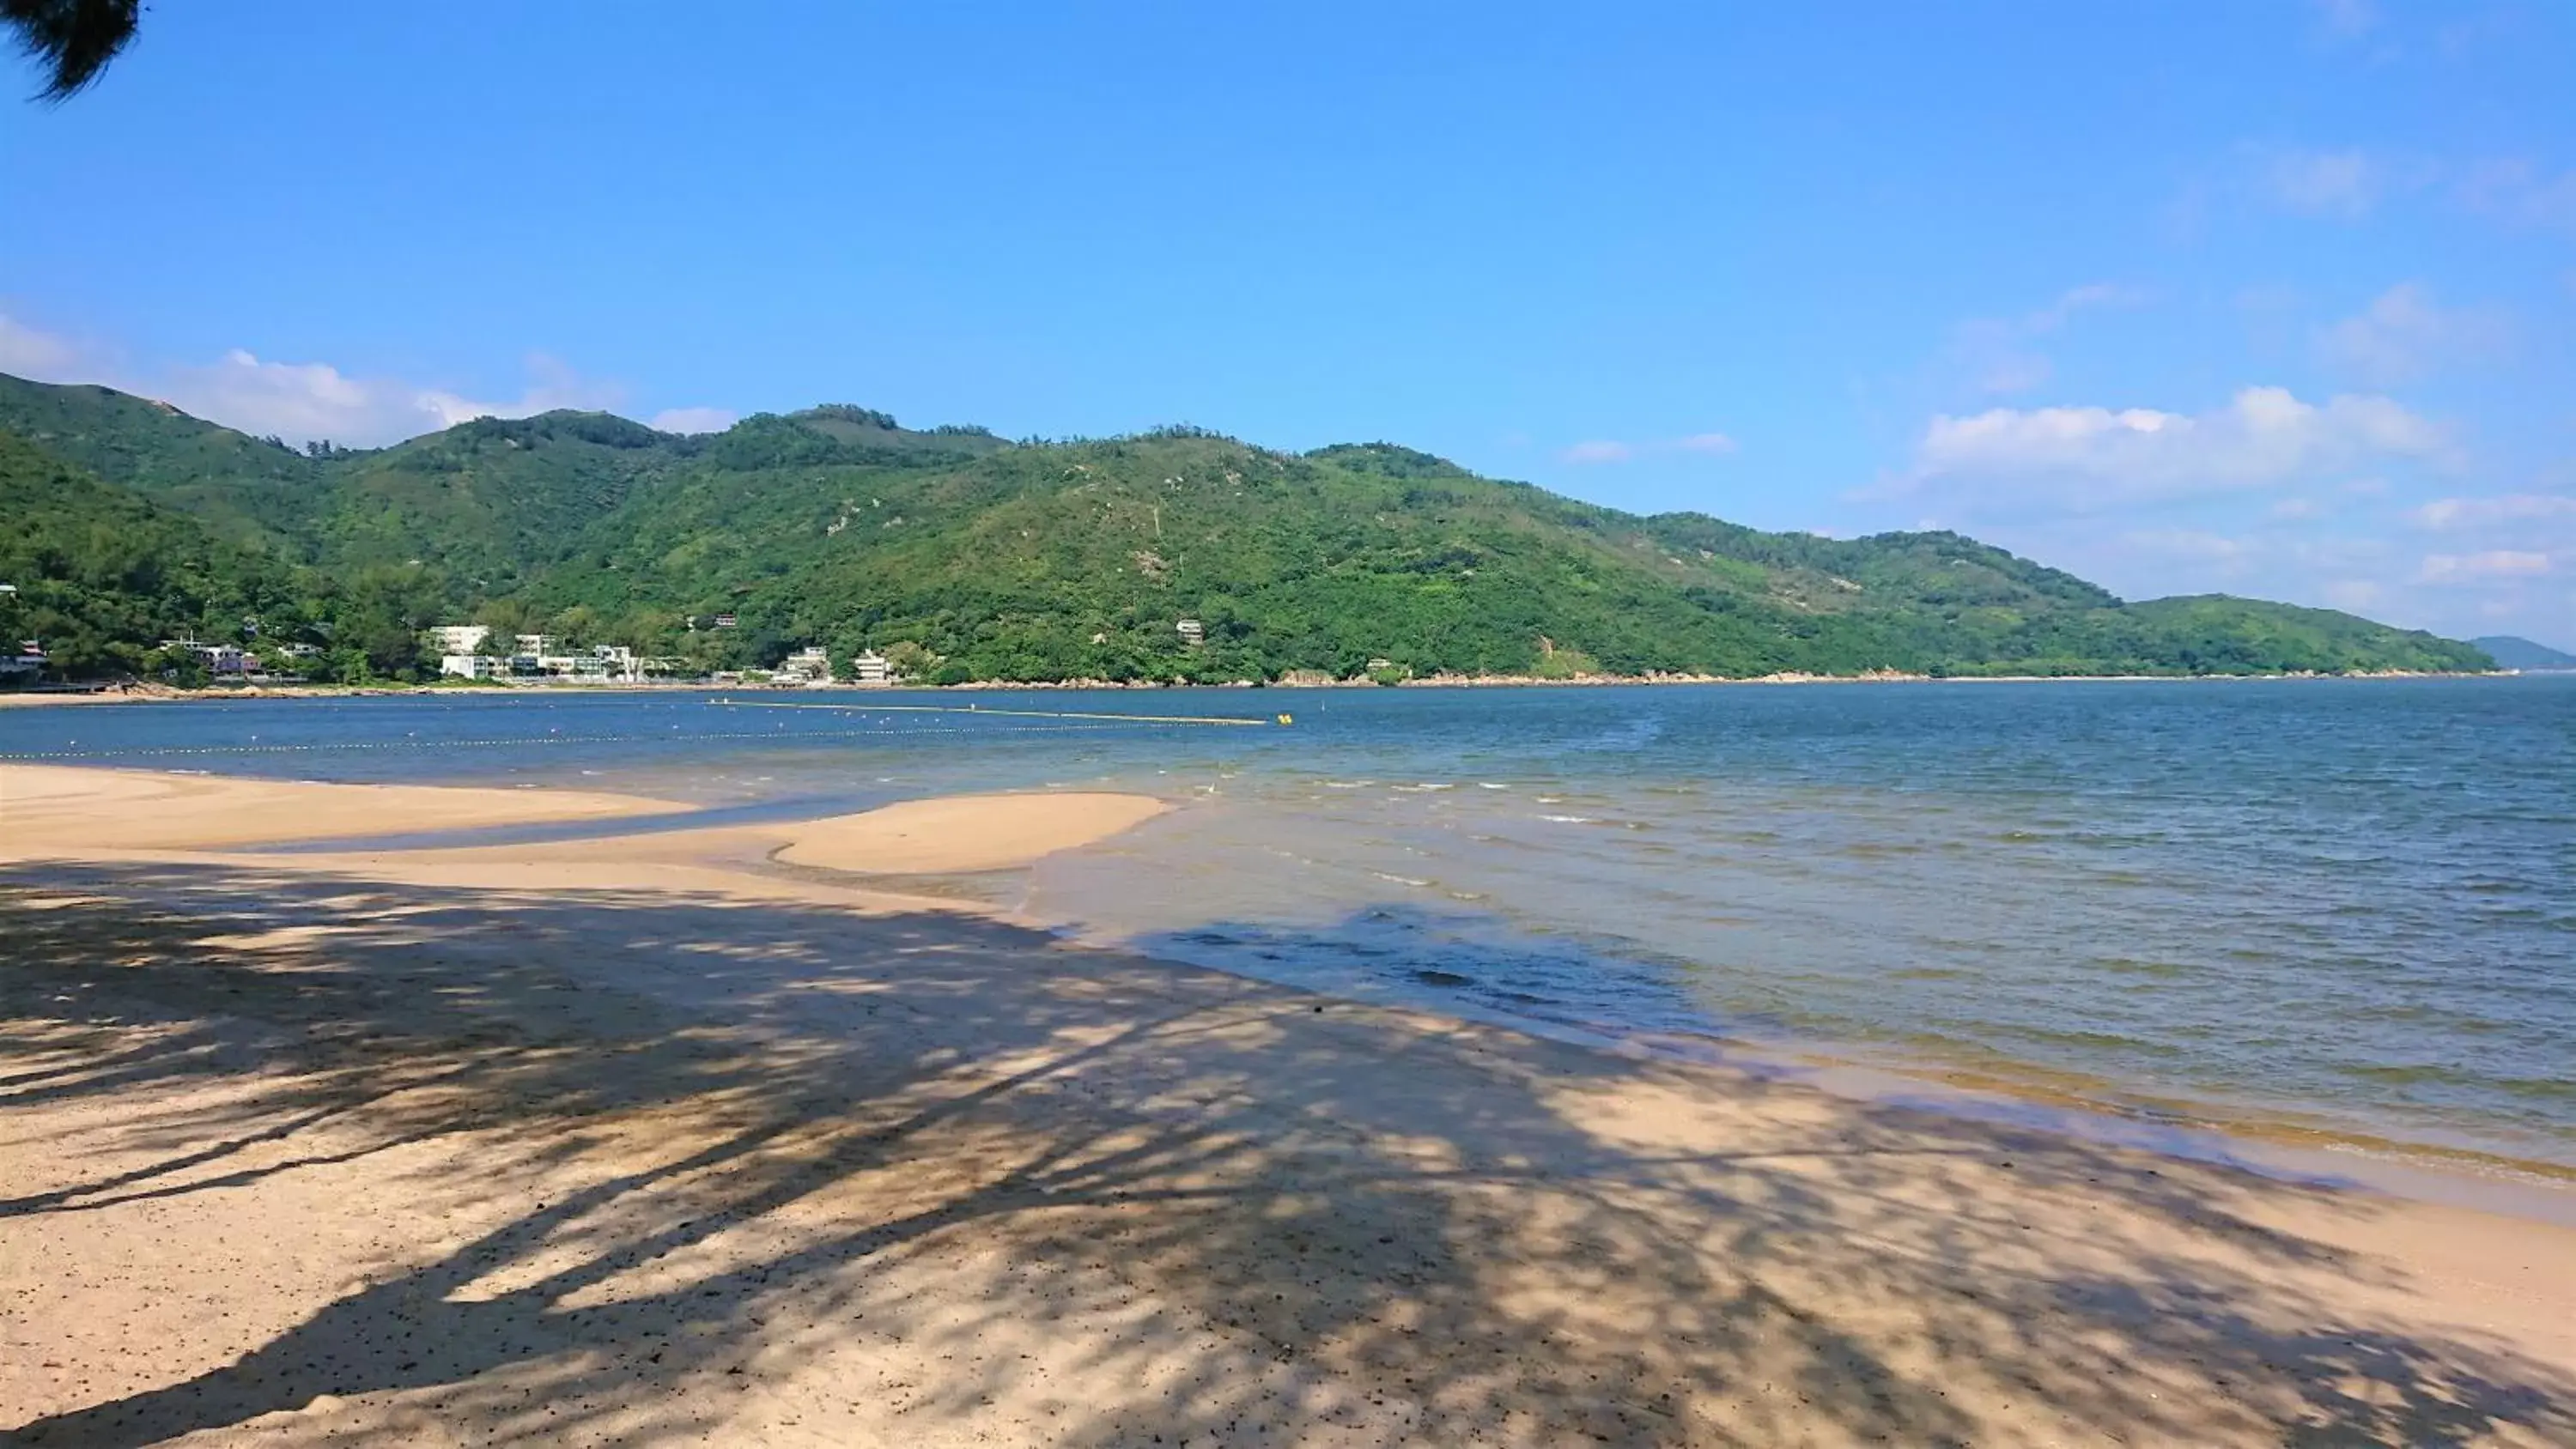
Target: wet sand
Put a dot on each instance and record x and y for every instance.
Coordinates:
(682, 1137)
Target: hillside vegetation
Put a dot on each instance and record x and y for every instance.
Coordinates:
(975, 559)
(102, 575)
(2511, 652)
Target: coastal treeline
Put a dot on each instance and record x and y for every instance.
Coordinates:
(1178, 554)
(102, 579)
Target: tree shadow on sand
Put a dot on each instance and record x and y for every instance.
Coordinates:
(668, 1165)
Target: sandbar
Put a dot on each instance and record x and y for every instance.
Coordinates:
(47, 809)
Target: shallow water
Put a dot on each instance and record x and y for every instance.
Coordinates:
(2346, 907)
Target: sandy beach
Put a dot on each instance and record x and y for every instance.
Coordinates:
(724, 1136)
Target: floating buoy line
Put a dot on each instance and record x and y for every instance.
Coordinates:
(521, 741)
(1178, 719)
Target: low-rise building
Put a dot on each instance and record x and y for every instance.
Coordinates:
(808, 665)
(870, 667)
(460, 638)
(218, 658)
(1192, 632)
(472, 666)
(615, 663)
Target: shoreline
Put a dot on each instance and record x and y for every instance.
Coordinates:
(633, 1137)
(2194, 1130)
(165, 695)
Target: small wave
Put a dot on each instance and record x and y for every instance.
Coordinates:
(2131, 966)
(1399, 879)
(1571, 819)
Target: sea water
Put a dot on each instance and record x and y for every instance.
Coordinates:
(2341, 908)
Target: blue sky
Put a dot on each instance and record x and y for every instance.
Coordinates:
(2272, 298)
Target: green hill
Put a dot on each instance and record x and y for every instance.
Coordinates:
(246, 489)
(102, 575)
(1044, 561)
(2510, 652)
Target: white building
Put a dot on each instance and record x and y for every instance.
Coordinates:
(472, 666)
(806, 666)
(460, 638)
(218, 658)
(538, 644)
(870, 667)
(613, 662)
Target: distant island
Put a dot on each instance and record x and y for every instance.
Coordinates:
(2511, 652)
(147, 543)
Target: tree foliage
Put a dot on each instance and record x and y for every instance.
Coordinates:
(73, 40)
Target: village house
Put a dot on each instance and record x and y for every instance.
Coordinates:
(472, 666)
(810, 665)
(218, 658)
(460, 638)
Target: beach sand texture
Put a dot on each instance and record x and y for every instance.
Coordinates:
(50, 808)
(652, 1140)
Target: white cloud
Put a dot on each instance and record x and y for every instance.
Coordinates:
(2352, 183)
(2085, 298)
(29, 353)
(2521, 194)
(302, 401)
(2093, 457)
(2464, 568)
(1611, 450)
(2012, 371)
(2347, 19)
(2190, 543)
(1999, 355)
(2444, 514)
(1600, 450)
(694, 420)
(2403, 334)
(2347, 184)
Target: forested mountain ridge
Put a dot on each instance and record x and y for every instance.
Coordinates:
(101, 574)
(979, 559)
(2512, 652)
(246, 489)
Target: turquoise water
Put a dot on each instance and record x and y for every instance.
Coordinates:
(2347, 907)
